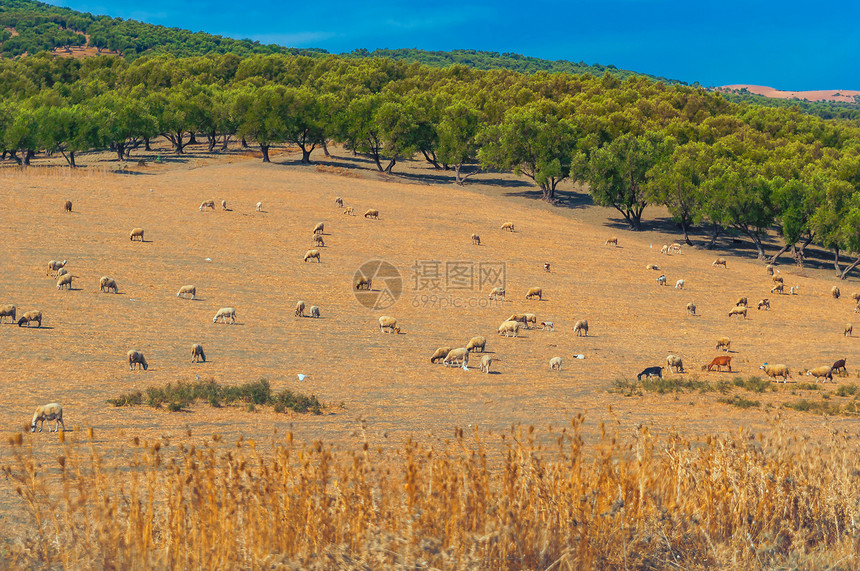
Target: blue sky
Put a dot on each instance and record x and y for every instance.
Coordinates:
(788, 45)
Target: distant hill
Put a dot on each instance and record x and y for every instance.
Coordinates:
(833, 95)
(829, 104)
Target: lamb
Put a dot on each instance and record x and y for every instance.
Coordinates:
(476, 240)
(338, 202)
(318, 241)
(665, 249)
(62, 272)
(613, 240)
(650, 372)
(774, 371)
(457, 357)
(29, 317)
(388, 325)
(186, 289)
(834, 291)
(197, 354)
(48, 412)
(440, 354)
(300, 309)
(763, 304)
(319, 228)
(778, 288)
(8, 311)
(531, 319)
(260, 206)
(680, 284)
(54, 266)
(224, 313)
(691, 308)
(507, 226)
(107, 283)
(311, 254)
(839, 366)
(363, 283)
(723, 343)
(652, 267)
(486, 361)
(349, 211)
(315, 312)
(372, 213)
(535, 292)
(720, 362)
(68, 206)
(581, 327)
(674, 362)
(821, 372)
(661, 280)
(136, 233)
(65, 280)
(849, 330)
(223, 205)
(476, 343)
(742, 301)
(497, 292)
(720, 262)
(675, 248)
(509, 327)
(207, 204)
(136, 358)
(555, 364)
(547, 325)
(738, 311)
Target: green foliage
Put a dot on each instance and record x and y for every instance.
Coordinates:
(740, 402)
(661, 386)
(754, 384)
(847, 390)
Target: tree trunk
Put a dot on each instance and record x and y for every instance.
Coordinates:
(375, 157)
(716, 230)
(70, 158)
(265, 150)
(244, 143)
(14, 156)
(146, 146)
(212, 137)
(853, 265)
(802, 251)
(120, 151)
(390, 165)
(782, 251)
(836, 260)
(224, 143)
(306, 154)
(685, 229)
(325, 149)
(192, 140)
(3, 155)
(29, 154)
(431, 158)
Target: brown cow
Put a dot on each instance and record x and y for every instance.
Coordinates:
(719, 362)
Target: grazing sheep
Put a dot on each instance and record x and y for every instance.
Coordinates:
(29, 317)
(652, 267)
(546, 267)
(581, 327)
(136, 358)
(723, 343)
(349, 211)
(68, 206)
(65, 280)
(186, 289)
(535, 292)
(763, 304)
(720, 362)
(793, 290)
(314, 312)
(778, 288)
(319, 228)
(680, 284)
(48, 412)
(547, 325)
(318, 241)
(778, 280)
(661, 280)
(675, 362)
(458, 357)
(486, 361)
(107, 283)
(650, 372)
(742, 301)
(224, 313)
(197, 354)
(839, 366)
(372, 213)
(338, 202)
(223, 205)
(769, 268)
(311, 254)
(509, 327)
(675, 248)
(507, 226)
(497, 292)
(613, 240)
(388, 325)
(720, 262)
(8, 311)
(555, 364)
(520, 317)
(531, 319)
(136, 233)
(363, 283)
(476, 343)
(300, 309)
(207, 204)
(691, 308)
(440, 354)
(665, 249)
(738, 311)
(774, 371)
(260, 206)
(62, 272)
(54, 266)
(849, 330)
(856, 297)
(824, 372)
(834, 291)
(476, 240)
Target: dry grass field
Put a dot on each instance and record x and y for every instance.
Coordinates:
(379, 388)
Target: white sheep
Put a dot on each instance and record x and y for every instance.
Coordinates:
(457, 357)
(372, 213)
(319, 228)
(107, 283)
(680, 284)
(224, 313)
(197, 353)
(834, 291)
(581, 327)
(774, 371)
(300, 309)
(794, 290)
(207, 204)
(48, 412)
(9, 311)
(136, 358)
(186, 289)
(675, 362)
(318, 241)
(260, 206)
(779, 288)
(652, 267)
(819, 373)
(349, 211)
(338, 202)
(497, 292)
(440, 354)
(476, 240)
(742, 301)
(54, 265)
(223, 205)
(476, 343)
(555, 364)
(507, 226)
(535, 292)
(691, 308)
(763, 304)
(363, 283)
(136, 233)
(67, 206)
(486, 361)
(723, 343)
(738, 310)
(661, 280)
(509, 327)
(849, 330)
(65, 280)
(547, 325)
(531, 319)
(29, 317)
(665, 249)
(675, 248)
(720, 262)
(311, 254)
(613, 240)
(314, 311)
(388, 325)
(62, 272)
(778, 279)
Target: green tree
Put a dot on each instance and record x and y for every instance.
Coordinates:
(457, 138)
(677, 183)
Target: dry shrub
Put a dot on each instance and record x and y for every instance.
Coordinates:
(339, 171)
(641, 502)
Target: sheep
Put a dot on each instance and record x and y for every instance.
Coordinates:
(613, 240)
(311, 254)
(486, 361)
(763, 304)
(680, 284)
(738, 311)
(388, 325)
(107, 283)
(62, 272)
(519, 317)
(476, 240)
(314, 312)
(29, 317)
(821, 372)
(318, 241)
(54, 266)
(650, 372)
(457, 357)
(300, 309)
(839, 366)
(349, 211)
(497, 292)
(68, 206)
(793, 290)
(856, 297)
(691, 308)
(476, 343)
(547, 325)
(186, 289)
(207, 204)
(372, 213)
(581, 327)
(260, 206)
(509, 327)
(546, 267)
(723, 343)
(742, 301)
(661, 280)
(675, 248)
(652, 267)
(223, 205)
(440, 354)
(8, 311)
(769, 269)
(720, 262)
(778, 280)
(507, 226)
(136, 233)
(136, 358)
(665, 249)
(778, 288)
(834, 291)
(555, 364)
(48, 412)
(319, 228)
(857, 308)
(197, 354)
(363, 283)
(65, 280)
(535, 292)
(720, 362)
(774, 371)
(531, 319)
(224, 313)
(338, 202)
(676, 363)
(849, 330)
